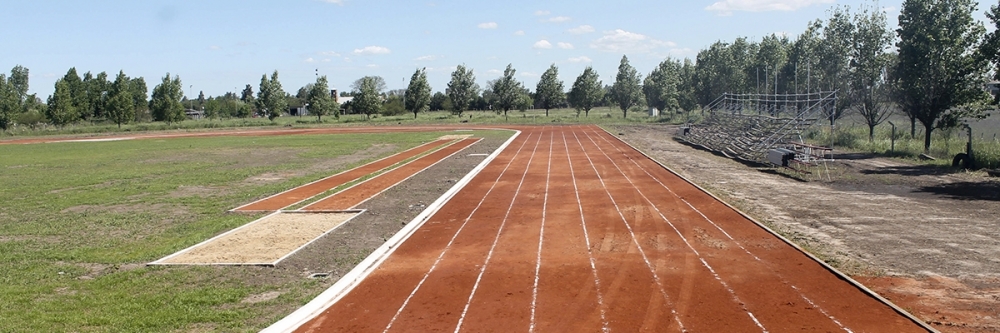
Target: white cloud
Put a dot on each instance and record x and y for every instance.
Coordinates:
(487, 25)
(369, 50)
(494, 72)
(441, 69)
(214, 48)
(542, 13)
(371, 66)
(564, 45)
(558, 19)
(583, 29)
(519, 33)
(336, 2)
(727, 7)
(889, 9)
(326, 60)
(579, 59)
(621, 41)
(528, 74)
(426, 58)
(542, 44)
(310, 60)
(329, 54)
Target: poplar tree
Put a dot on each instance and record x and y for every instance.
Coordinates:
(418, 93)
(626, 91)
(549, 93)
(587, 91)
(61, 106)
(462, 89)
(120, 106)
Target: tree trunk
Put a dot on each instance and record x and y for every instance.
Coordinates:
(927, 138)
(414, 115)
(546, 113)
(871, 133)
(913, 128)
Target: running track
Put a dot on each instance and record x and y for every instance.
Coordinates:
(571, 230)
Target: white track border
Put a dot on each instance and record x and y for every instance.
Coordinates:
(839, 274)
(350, 280)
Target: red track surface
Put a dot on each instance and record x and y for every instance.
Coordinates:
(571, 230)
(355, 195)
(295, 195)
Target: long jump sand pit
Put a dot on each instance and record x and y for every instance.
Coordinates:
(263, 242)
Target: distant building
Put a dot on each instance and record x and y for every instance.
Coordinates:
(194, 114)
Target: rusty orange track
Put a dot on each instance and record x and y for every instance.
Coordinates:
(571, 230)
(355, 195)
(298, 194)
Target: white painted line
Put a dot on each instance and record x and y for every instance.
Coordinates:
(100, 140)
(738, 244)
(350, 280)
(334, 175)
(635, 240)
(829, 268)
(496, 239)
(452, 240)
(586, 237)
(541, 236)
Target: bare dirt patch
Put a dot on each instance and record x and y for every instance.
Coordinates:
(869, 217)
(264, 241)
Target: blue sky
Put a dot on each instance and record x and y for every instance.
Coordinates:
(222, 45)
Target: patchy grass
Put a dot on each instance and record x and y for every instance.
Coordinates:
(80, 219)
(945, 144)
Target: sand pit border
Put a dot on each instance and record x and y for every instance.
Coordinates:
(164, 261)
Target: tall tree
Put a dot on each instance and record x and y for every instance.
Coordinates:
(165, 103)
(61, 107)
(462, 89)
(626, 92)
(320, 101)
(8, 103)
(121, 107)
(587, 92)
(418, 93)
(838, 37)
(368, 95)
(139, 92)
(660, 86)
(77, 91)
(19, 84)
(271, 97)
(686, 98)
(549, 93)
(938, 70)
(97, 94)
(507, 91)
(869, 64)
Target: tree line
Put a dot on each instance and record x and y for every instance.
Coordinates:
(932, 69)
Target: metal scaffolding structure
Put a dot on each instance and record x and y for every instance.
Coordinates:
(746, 126)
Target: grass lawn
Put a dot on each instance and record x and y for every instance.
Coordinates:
(80, 219)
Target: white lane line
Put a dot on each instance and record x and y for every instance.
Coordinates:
(738, 244)
(496, 239)
(635, 240)
(704, 263)
(541, 235)
(452, 241)
(586, 236)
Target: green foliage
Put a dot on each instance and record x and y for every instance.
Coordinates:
(587, 92)
(320, 101)
(96, 91)
(462, 89)
(120, 103)
(393, 106)
(550, 92)
(869, 91)
(660, 86)
(938, 70)
(418, 93)
(271, 97)
(8, 103)
(506, 91)
(439, 102)
(626, 91)
(165, 104)
(18, 82)
(368, 95)
(61, 108)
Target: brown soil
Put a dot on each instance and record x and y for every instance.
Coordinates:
(263, 241)
(473, 264)
(926, 237)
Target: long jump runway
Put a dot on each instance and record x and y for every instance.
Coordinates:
(571, 230)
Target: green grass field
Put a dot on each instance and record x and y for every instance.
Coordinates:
(80, 219)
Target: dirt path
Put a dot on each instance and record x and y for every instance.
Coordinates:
(630, 247)
(924, 237)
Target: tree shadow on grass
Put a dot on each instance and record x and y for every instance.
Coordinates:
(987, 191)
